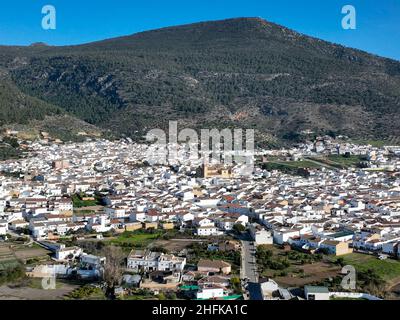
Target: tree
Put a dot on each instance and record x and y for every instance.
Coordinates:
(236, 285)
(11, 141)
(340, 261)
(113, 268)
(171, 296)
(238, 228)
(161, 296)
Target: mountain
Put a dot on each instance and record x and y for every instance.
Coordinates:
(243, 72)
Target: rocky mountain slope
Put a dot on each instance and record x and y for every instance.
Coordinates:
(246, 73)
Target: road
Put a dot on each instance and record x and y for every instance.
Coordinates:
(248, 269)
(249, 266)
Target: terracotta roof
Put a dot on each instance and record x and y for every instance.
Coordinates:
(203, 263)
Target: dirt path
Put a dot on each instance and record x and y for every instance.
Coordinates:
(27, 293)
(323, 164)
(392, 283)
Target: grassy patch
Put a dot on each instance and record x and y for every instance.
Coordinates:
(199, 251)
(86, 293)
(296, 164)
(12, 274)
(346, 162)
(36, 283)
(79, 203)
(386, 269)
(139, 239)
(9, 263)
(290, 167)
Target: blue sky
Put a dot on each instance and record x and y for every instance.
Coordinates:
(378, 22)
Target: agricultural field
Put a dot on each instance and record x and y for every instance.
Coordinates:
(138, 239)
(11, 254)
(293, 268)
(7, 257)
(32, 254)
(291, 167)
(306, 164)
(199, 251)
(296, 269)
(175, 245)
(343, 161)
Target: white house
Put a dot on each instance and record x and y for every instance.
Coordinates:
(283, 235)
(152, 261)
(225, 223)
(92, 260)
(70, 253)
(169, 262)
(391, 248)
(207, 203)
(64, 205)
(3, 227)
(185, 217)
(208, 231)
(210, 292)
(268, 288)
(260, 235)
(137, 216)
(39, 230)
(116, 212)
(316, 293)
(203, 222)
(18, 224)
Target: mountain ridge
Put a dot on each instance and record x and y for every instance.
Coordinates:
(239, 72)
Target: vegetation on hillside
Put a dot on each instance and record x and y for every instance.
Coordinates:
(244, 73)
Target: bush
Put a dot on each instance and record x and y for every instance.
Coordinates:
(161, 296)
(340, 261)
(85, 292)
(171, 296)
(12, 274)
(159, 249)
(265, 259)
(238, 228)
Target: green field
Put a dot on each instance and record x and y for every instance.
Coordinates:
(36, 283)
(290, 167)
(5, 264)
(346, 162)
(386, 269)
(136, 239)
(297, 164)
(79, 203)
(86, 293)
